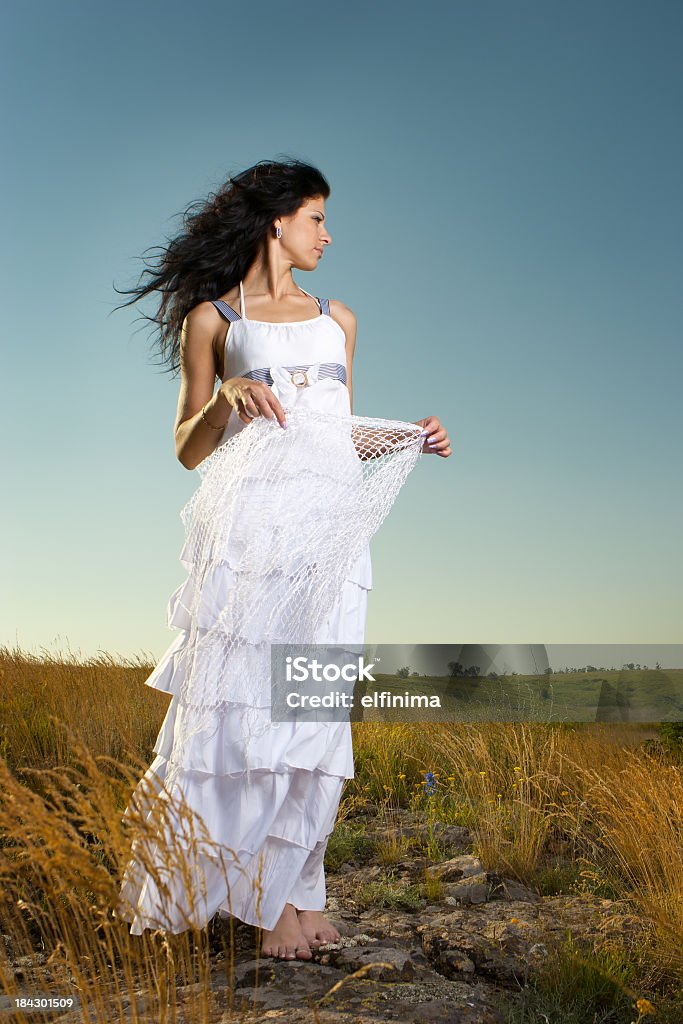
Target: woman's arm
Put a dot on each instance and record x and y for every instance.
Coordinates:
(194, 438)
(198, 433)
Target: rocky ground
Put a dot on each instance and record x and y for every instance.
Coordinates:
(450, 960)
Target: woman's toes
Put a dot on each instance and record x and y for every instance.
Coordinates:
(317, 929)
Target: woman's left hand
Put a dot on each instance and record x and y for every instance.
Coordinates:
(440, 443)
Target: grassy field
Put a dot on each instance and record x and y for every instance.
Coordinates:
(594, 808)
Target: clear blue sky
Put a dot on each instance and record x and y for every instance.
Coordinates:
(506, 224)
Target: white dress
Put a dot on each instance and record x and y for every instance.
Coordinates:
(279, 818)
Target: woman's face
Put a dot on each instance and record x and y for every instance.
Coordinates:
(304, 236)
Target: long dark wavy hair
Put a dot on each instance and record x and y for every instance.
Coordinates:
(221, 237)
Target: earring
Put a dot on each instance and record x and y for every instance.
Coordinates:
(278, 232)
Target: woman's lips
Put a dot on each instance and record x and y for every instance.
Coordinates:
(319, 251)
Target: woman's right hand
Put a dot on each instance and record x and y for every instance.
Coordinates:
(251, 398)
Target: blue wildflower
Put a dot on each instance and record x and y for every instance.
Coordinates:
(430, 783)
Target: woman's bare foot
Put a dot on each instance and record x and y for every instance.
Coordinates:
(316, 928)
(286, 940)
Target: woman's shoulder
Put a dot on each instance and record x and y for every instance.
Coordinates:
(205, 319)
(203, 312)
(204, 326)
(344, 316)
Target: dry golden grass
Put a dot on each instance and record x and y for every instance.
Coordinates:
(75, 738)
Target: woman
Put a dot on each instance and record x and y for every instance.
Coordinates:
(276, 550)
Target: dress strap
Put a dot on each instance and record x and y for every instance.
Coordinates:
(323, 303)
(242, 309)
(227, 311)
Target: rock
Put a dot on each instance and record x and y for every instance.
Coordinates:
(456, 950)
(464, 866)
(510, 889)
(387, 924)
(454, 962)
(469, 890)
(402, 965)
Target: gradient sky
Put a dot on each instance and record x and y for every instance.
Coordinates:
(506, 224)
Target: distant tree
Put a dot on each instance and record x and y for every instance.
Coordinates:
(671, 734)
(403, 673)
(455, 669)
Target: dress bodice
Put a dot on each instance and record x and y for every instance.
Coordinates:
(304, 363)
(276, 353)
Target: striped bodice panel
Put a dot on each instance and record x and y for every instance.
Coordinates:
(335, 370)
